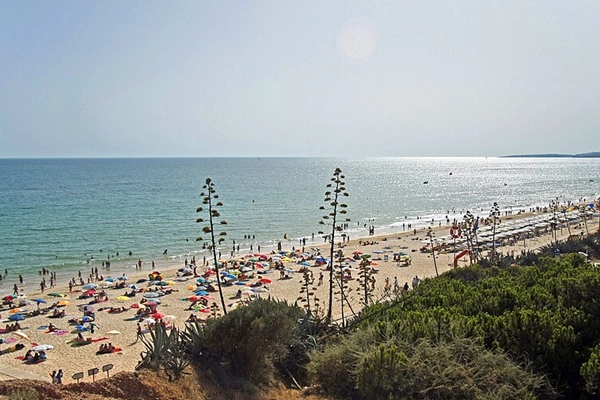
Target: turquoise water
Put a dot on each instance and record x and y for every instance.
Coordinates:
(58, 213)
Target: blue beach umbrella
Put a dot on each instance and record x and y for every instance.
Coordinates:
(305, 263)
(89, 286)
(240, 283)
(16, 317)
(230, 276)
(39, 300)
(81, 328)
(87, 318)
(202, 293)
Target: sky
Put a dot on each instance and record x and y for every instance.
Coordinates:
(298, 78)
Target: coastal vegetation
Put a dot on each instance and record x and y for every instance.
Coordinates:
(336, 189)
(210, 200)
(525, 329)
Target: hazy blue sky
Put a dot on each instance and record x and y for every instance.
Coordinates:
(298, 78)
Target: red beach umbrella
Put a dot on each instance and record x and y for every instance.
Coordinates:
(158, 315)
(265, 280)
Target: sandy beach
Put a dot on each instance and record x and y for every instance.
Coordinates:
(120, 328)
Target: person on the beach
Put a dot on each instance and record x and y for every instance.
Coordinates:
(15, 290)
(140, 334)
(59, 376)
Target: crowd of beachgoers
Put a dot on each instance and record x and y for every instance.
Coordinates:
(95, 319)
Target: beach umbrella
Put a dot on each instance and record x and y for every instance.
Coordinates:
(202, 293)
(123, 298)
(42, 347)
(193, 298)
(264, 280)
(39, 301)
(240, 283)
(90, 292)
(62, 303)
(113, 333)
(89, 286)
(150, 295)
(132, 286)
(16, 317)
(20, 335)
(8, 298)
(105, 284)
(122, 278)
(305, 263)
(157, 315)
(87, 318)
(137, 305)
(15, 311)
(81, 328)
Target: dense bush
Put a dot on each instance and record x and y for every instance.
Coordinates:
(250, 340)
(375, 366)
(544, 315)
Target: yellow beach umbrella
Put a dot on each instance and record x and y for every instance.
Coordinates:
(15, 310)
(123, 298)
(62, 303)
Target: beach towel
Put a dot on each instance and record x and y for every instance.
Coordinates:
(99, 339)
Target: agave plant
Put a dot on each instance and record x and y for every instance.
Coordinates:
(164, 349)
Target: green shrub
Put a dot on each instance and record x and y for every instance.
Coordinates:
(251, 340)
(333, 366)
(590, 371)
(370, 366)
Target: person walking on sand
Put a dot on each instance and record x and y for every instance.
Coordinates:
(59, 376)
(15, 290)
(140, 334)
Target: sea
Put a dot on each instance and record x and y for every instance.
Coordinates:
(69, 215)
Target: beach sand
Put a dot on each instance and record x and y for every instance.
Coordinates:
(72, 359)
